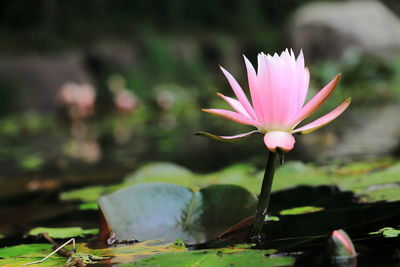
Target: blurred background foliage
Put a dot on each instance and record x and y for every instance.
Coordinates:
(166, 53)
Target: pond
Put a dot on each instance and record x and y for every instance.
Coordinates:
(306, 206)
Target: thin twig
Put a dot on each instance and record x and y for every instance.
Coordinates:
(55, 251)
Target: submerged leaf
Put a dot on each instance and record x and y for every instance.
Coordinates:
(168, 212)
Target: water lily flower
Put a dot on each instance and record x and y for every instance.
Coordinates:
(278, 91)
(342, 246)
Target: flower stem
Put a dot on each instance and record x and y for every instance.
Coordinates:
(263, 200)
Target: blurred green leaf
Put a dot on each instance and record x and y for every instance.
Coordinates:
(301, 210)
(89, 206)
(65, 232)
(31, 162)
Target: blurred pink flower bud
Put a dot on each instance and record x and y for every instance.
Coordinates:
(342, 245)
(80, 97)
(125, 100)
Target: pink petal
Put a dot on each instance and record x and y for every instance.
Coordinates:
(254, 89)
(234, 116)
(239, 93)
(263, 85)
(233, 138)
(303, 80)
(309, 128)
(277, 139)
(341, 239)
(236, 105)
(317, 101)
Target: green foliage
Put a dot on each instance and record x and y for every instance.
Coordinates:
(87, 194)
(387, 232)
(179, 244)
(85, 258)
(300, 210)
(89, 206)
(160, 172)
(215, 258)
(21, 254)
(31, 162)
(371, 180)
(66, 232)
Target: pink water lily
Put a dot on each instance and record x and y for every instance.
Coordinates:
(278, 91)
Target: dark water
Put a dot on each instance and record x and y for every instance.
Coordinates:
(304, 236)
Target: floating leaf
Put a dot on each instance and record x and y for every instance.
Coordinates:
(272, 218)
(21, 254)
(87, 194)
(387, 232)
(89, 206)
(168, 212)
(215, 258)
(372, 183)
(300, 210)
(160, 171)
(364, 167)
(130, 253)
(66, 232)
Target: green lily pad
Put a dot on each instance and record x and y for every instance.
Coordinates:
(271, 218)
(86, 194)
(300, 210)
(364, 167)
(168, 212)
(66, 232)
(387, 232)
(89, 206)
(372, 180)
(215, 258)
(21, 254)
(161, 172)
(26, 253)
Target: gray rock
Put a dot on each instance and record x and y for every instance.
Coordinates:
(330, 29)
(369, 134)
(39, 77)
